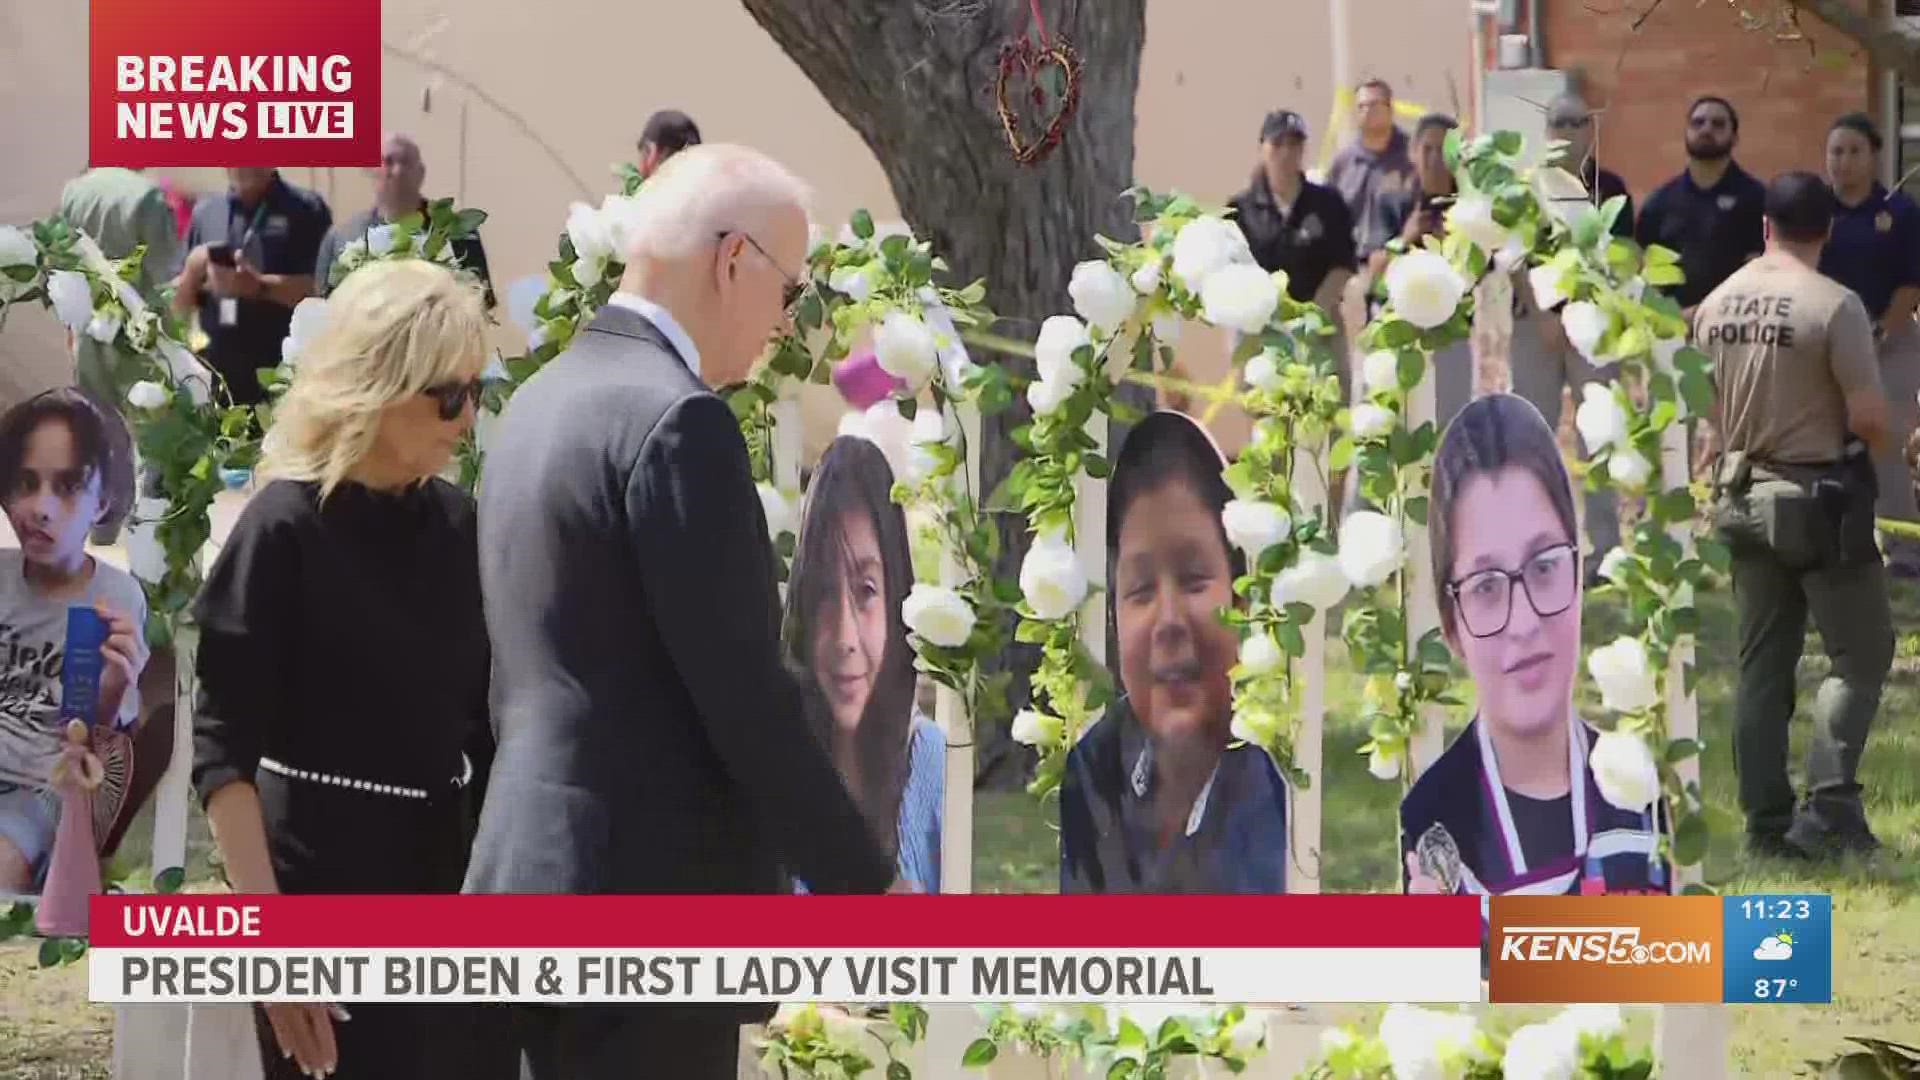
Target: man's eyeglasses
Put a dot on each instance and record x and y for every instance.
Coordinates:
(794, 288)
(1550, 578)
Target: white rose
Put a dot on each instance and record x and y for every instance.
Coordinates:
(587, 271)
(1047, 395)
(929, 430)
(142, 329)
(72, 298)
(906, 349)
(1599, 1021)
(587, 230)
(1545, 280)
(941, 616)
(1032, 728)
(883, 426)
(778, 510)
(147, 394)
(1256, 729)
(1624, 770)
(1381, 371)
(1601, 419)
(1060, 337)
(1146, 280)
(1052, 579)
(1417, 1040)
(351, 256)
(104, 327)
(1254, 525)
(1541, 1052)
(1424, 288)
(1383, 764)
(186, 370)
(1370, 421)
(853, 282)
(1248, 1035)
(1240, 297)
(1585, 325)
(1613, 565)
(308, 320)
(1629, 468)
(381, 239)
(17, 248)
(1371, 548)
(1261, 655)
(1205, 245)
(1101, 296)
(1167, 328)
(1624, 675)
(1316, 580)
(1472, 217)
(619, 214)
(1334, 1041)
(1263, 372)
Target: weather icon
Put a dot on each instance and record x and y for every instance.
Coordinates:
(1777, 947)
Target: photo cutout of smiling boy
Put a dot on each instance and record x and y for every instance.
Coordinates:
(1157, 797)
(847, 641)
(1511, 806)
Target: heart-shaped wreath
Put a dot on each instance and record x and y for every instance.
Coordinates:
(1025, 65)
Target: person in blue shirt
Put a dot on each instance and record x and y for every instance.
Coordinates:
(847, 642)
(1158, 796)
(1875, 251)
(1512, 806)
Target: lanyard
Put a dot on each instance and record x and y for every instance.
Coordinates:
(1576, 781)
(259, 215)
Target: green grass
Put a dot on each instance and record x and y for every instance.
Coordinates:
(1876, 964)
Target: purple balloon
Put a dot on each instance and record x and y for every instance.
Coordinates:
(863, 382)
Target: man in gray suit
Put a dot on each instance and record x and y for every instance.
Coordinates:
(650, 740)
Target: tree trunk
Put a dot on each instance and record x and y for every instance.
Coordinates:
(1895, 46)
(916, 79)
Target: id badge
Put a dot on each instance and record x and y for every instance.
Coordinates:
(229, 311)
(80, 671)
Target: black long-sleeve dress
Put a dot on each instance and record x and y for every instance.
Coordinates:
(345, 639)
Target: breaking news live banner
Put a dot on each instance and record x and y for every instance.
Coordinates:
(931, 949)
(960, 949)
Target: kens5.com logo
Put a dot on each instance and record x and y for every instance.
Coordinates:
(1606, 948)
(260, 83)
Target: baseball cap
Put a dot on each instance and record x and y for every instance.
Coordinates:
(1282, 124)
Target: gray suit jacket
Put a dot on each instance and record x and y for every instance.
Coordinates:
(650, 738)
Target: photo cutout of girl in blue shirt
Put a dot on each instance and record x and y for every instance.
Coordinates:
(1158, 798)
(847, 642)
(1511, 806)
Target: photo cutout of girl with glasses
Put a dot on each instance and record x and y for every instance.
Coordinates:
(1158, 796)
(1511, 807)
(847, 641)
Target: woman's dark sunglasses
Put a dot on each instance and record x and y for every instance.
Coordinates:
(452, 397)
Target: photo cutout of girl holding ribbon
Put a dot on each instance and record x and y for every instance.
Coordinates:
(847, 641)
(1511, 807)
(1158, 798)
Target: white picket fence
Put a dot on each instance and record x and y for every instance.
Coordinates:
(216, 1043)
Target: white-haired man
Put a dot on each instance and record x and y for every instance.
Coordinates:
(650, 741)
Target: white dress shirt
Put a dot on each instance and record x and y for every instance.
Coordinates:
(662, 320)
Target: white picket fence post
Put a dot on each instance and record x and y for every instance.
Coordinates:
(1689, 1040)
(1090, 542)
(1423, 611)
(950, 709)
(1304, 830)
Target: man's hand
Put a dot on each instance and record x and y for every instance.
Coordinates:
(304, 1032)
(239, 280)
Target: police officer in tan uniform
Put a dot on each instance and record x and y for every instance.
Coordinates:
(1799, 410)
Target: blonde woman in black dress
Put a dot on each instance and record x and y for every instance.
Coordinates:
(343, 657)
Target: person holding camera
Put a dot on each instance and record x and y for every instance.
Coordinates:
(1799, 411)
(251, 255)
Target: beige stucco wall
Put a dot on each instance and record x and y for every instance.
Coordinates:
(584, 74)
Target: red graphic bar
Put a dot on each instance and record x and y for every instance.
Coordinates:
(785, 922)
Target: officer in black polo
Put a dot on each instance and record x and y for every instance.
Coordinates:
(251, 259)
(1294, 224)
(1711, 213)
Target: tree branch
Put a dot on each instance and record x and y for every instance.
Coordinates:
(1894, 46)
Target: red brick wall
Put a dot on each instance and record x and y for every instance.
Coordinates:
(1693, 47)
